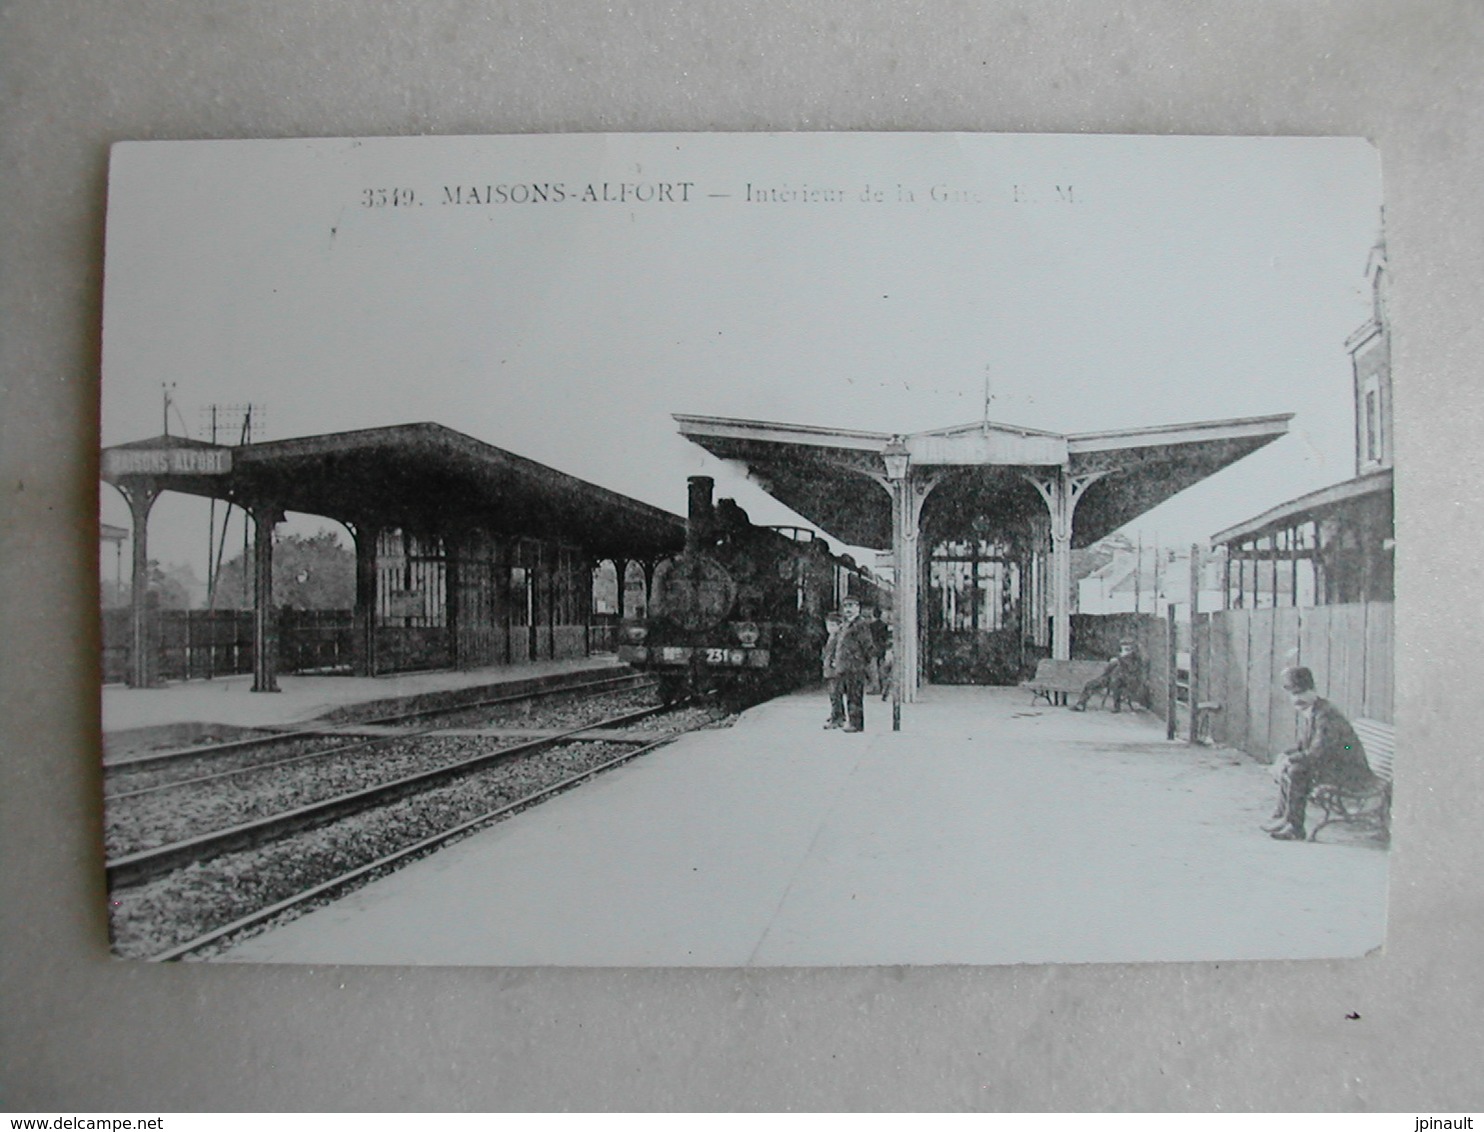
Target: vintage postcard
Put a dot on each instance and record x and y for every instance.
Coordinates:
(746, 550)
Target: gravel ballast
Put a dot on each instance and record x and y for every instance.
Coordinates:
(159, 914)
(148, 821)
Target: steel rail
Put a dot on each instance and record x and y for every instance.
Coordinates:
(153, 762)
(267, 764)
(135, 868)
(253, 919)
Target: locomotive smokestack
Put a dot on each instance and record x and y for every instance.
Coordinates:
(701, 519)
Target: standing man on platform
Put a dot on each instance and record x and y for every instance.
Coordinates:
(832, 625)
(854, 650)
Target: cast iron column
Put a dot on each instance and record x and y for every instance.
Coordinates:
(900, 603)
(363, 645)
(1061, 576)
(909, 488)
(140, 495)
(1062, 492)
(451, 604)
(904, 552)
(265, 621)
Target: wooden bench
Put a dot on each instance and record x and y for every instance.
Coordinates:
(1058, 678)
(1369, 808)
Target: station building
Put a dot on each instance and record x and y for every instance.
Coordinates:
(465, 555)
(1336, 545)
(1310, 581)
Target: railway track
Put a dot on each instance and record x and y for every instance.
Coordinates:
(387, 862)
(315, 851)
(185, 766)
(135, 867)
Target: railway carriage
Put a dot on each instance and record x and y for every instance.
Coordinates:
(741, 610)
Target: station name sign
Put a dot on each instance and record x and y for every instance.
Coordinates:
(167, 462)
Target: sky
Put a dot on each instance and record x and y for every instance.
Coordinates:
(561, 296)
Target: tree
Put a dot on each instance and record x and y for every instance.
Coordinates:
(313, 572)
(175, 584)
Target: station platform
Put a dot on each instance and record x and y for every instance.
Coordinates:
(987, 831)
(189, 710)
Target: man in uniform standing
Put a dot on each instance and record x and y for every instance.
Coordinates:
(849, 655)
(832, 625)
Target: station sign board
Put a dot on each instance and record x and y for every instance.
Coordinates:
(166, 462)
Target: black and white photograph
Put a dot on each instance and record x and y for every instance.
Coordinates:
(746, 550)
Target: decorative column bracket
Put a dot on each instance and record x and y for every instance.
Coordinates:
(1062, 492)
(868, 464)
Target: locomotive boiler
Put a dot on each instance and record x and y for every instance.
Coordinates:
(740, 611)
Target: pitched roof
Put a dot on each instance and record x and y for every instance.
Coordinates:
(429, 478)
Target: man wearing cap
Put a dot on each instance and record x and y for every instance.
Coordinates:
(849, 654)
(1123, 676)
(832, 624)
(1327, 752)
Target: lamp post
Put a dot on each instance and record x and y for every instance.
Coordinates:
(897, 460)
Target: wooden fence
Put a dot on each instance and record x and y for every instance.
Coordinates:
(195, 644)
(1241, 654)
(183, 644)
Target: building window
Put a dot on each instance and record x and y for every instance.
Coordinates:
(1372, 428)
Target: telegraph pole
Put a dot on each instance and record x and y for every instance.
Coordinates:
(221, 420)
(1139, 576)
(211, 534)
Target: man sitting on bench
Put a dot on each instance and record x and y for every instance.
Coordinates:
(1327, 752)
(1121, 677)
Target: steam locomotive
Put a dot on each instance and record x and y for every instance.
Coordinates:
(741, 611)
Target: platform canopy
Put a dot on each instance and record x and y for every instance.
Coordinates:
(831, 476)
(1307, 508)
(1340, 539)
(421, 477)
(424, 479)
(882, 490)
